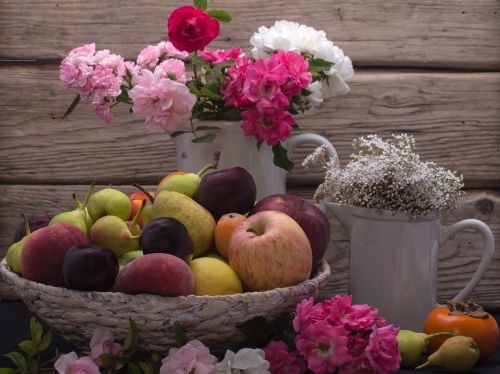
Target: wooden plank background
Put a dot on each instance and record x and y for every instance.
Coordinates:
(430, 68)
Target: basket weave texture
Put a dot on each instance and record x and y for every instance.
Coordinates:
(211, 319)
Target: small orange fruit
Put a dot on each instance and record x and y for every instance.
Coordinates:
(224, 229)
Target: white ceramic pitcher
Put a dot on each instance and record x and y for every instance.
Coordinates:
(394, 261)
(240, 150)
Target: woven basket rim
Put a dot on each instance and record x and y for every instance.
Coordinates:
(18, 282)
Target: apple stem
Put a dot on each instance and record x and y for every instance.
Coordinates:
(151, 198)
(139, 212)
(135, 236)
(26, 225)
(89, 193)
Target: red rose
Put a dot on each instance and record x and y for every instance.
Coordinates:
(191, 29)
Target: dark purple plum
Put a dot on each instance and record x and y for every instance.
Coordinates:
(90, 268)
(166, 235)
(35, 223)
(226, 191)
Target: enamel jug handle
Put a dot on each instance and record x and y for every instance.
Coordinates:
(309, 138)
(484, 230)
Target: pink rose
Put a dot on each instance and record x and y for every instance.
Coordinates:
(71, 364)
(193, 358)
(167, 49)
(220, 56)
(382, 351)
(271, 129)
(191, 29)
(297, 65)
(103, 342)
(72, 75)
(149, 57)
(263, 80)
(283, 361)
(176, 68)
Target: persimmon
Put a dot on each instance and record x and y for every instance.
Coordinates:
(464, 318)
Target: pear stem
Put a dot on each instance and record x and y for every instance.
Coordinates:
(89, 193)
(424, 365)
(429, 337)
(139, 212)
(135, 236)
(213, 165)
(26, 225)
(151, 198)
(76, 200)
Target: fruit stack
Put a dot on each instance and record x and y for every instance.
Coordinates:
(198, 233)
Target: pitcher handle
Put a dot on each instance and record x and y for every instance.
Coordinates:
(310, 138)
(485, 231)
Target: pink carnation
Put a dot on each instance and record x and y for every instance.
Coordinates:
(281, 360)
(323, 346)
(263, 81)
(71, 364)
(175, 67)
(220, 56)
(164, 103)
(102, 342)
(271, 129)
(149, 57)
(298, 76)
(191, 358)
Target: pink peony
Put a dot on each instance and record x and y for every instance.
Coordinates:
(220, 56)
(164, 103)
(282, 361)
(71, 364)
(323, 346)
(102, 341)
(191, 358)
(149, 57)
(176, 68)
(191, 29)
(270, 129)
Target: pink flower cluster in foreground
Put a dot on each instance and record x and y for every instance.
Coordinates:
(264, 89)
(336, 335)
(219, 56)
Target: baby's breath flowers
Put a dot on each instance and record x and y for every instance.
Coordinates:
(387, 175)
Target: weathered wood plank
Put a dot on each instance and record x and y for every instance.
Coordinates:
(448, 33)
(459, 257)
(455, 118)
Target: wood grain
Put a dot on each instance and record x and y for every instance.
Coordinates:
(458, 258)
(455, 118)
(428, 33)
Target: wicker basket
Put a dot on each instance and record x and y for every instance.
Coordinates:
(211, 319)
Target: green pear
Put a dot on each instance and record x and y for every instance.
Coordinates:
(14, 252)
(186, 183)
(129, 256)
(412, 344)
(109, 202)
(118, 235)
(198, 221)
(458, 354)
(78, 217)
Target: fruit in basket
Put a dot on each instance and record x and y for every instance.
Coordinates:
(458, 354)
(13, 255)
(135, 204)
(78, 217)
(214, 277)
(34, 222)
(90, 268)
(464, 318)
(184, 182)
(156, 273)
(270, 250)
(43, 253)
(109, 202)
(129, 256)
(309, 217)
(224, 229)
(198, 221)
(225, 191)
(166, 235)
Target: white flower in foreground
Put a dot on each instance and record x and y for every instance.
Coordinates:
(315, 98)
(245, 361)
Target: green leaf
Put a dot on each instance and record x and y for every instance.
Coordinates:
(36, 331)
(207, 92)
(7, 371)
(281, 157)
(46, 340)
(133, 368)
(108, 360)
(28, 347)
(130, 343)
(318, 64)
(202, 128)
(201, 4)
(195, 60)
(220, 15)
(18, 360)
(296, 127)
(259, 144)
(177, 133)
(32, 365)
(180, 334)
(208, 138)
(256, 330)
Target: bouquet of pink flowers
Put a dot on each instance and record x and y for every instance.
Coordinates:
(291, 69)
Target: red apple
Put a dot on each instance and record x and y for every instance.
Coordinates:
(136, 202)
(270, 250)
(43, 253)
(309, 217)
